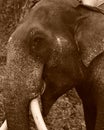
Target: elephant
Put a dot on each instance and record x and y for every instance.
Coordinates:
(58, 46)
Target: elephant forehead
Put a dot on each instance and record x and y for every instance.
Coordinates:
(54, 13)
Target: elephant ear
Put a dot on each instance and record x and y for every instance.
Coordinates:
(89, 34)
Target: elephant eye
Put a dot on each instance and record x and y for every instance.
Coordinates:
(37, 45)
(38, 40)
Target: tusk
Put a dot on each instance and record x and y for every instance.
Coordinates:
(4, 126)
(36, 112)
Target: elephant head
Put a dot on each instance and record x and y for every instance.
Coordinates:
(41, 50)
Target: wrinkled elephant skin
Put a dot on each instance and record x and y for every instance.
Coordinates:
(52, 46)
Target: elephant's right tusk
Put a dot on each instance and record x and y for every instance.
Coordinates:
(36, 112)
(4, 126)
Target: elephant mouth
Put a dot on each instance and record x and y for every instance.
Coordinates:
(36, 113)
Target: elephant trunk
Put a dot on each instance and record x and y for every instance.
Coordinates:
(17, 112)
(35, 109)
(23, 83)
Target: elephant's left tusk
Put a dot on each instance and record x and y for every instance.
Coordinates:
(36, 112)
(4, 126)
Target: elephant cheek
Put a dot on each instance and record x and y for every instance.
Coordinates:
(47, 100)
